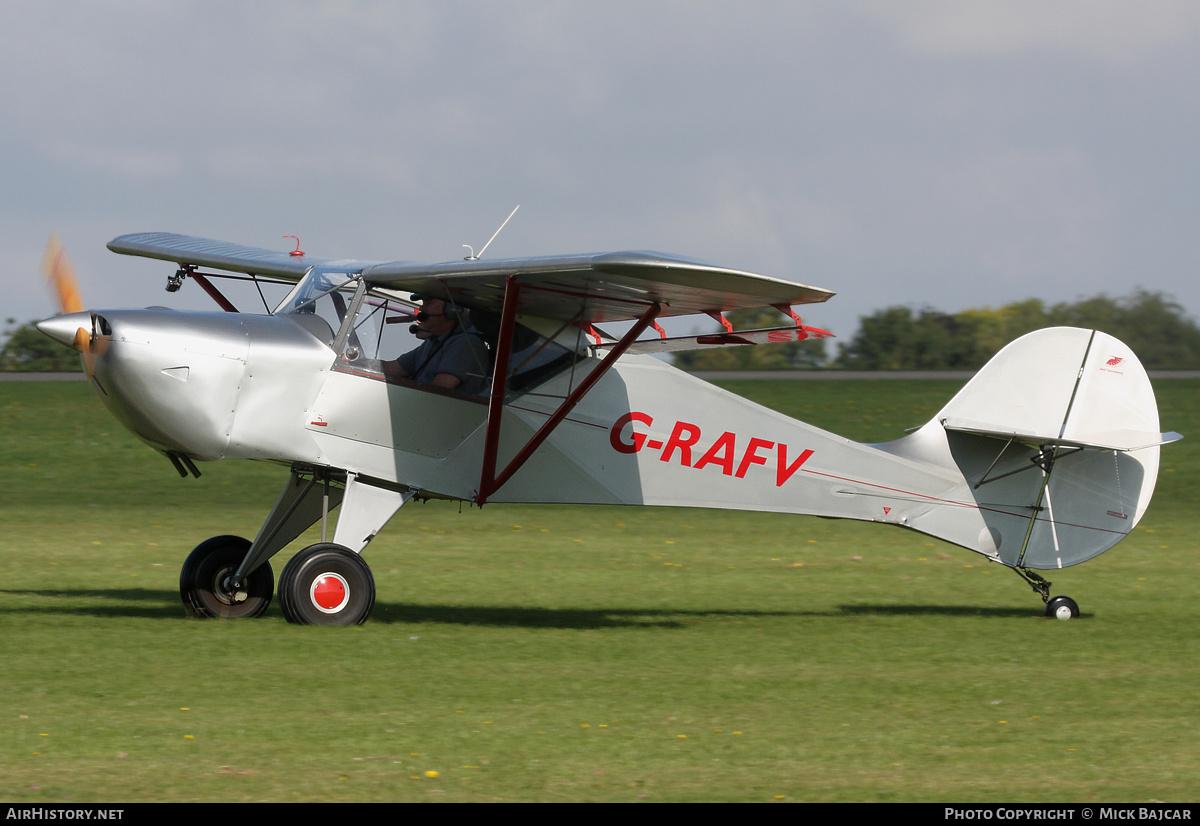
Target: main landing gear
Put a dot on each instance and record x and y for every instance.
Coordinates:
(326, 584)
(1060, 607)
(209, 589)
(323, 584)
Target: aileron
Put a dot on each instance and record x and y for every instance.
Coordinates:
(770, 335)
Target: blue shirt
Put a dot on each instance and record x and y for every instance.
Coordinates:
(460, 353)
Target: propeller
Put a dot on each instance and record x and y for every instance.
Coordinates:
(57, 269)
(68, 328)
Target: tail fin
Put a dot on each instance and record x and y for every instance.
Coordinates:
(1057, 440)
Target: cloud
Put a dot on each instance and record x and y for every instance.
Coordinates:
(959, 154)
(1111, 31)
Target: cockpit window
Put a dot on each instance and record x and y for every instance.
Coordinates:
(380, 331)
(535, 356)
(319, 303)
(383, 331)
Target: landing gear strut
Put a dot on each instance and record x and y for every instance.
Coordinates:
(1060, 607)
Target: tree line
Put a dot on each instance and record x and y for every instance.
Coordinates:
(901, 338)
(25, 349)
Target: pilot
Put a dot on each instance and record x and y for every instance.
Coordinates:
(451, 355)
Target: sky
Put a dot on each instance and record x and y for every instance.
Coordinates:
(934, 154)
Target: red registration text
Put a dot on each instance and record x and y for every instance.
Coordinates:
(732, 455)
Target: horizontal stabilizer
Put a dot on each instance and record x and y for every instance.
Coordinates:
(770, 335)
(1122, 440)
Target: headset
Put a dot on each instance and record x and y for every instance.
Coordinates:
(458, 315)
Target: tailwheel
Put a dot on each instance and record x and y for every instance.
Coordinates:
(1063, 608)
(207, 586)
(326, 584)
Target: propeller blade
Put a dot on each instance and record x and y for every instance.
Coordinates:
(83, 343)
(56, 267)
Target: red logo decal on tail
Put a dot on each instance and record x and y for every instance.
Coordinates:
(1114, 361)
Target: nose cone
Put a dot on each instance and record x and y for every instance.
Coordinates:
(62, 328)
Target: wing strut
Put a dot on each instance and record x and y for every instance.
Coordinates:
(215, 294)
(174, 282)
(490, 481)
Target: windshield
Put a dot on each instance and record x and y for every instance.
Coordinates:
(319, 302)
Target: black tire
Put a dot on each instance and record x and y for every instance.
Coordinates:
(1062, 608)
(326, 584)
(201, 581)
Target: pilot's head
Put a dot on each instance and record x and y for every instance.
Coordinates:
(433, 319)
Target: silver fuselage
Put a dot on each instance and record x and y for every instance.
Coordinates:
(211, 385)
(224, 385)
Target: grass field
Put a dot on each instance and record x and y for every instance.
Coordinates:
(583, 653)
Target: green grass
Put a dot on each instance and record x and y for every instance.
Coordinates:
(590, 653)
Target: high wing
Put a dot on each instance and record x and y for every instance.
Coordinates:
(593, 288)
(203, 252)
(589, 288)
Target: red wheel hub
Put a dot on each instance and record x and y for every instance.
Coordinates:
(329, 593)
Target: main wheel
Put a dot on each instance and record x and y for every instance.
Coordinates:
(205, 582)
(1063, 608)
(326, 584)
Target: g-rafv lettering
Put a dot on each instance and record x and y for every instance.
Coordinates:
(682, 446)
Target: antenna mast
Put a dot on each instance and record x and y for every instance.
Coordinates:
(473, 256)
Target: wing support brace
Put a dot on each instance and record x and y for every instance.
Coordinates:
(306, 497)
(490, 481)
(216, 295)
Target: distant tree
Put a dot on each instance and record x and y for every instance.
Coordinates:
(988, 330)
(27, 350)
(1154, 325)
(793, 355)
(896, 338)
